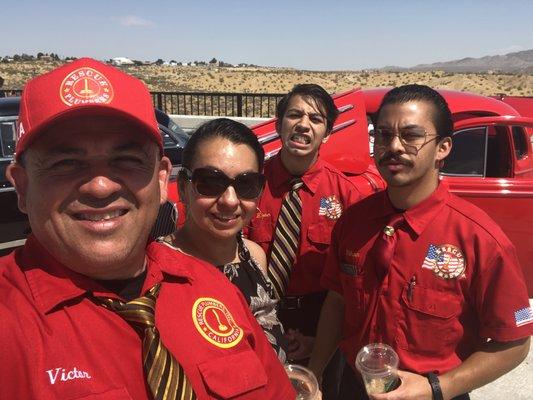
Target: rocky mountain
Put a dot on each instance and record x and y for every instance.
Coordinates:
(520, 62)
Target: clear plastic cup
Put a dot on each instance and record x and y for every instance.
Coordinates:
(303, 381)
(378, 365)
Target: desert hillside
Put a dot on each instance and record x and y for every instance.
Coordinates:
(277, 80)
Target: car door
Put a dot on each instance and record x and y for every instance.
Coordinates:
(14, 224)
(491, 165)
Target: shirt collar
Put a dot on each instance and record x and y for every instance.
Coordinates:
(311, 177)
(52, 284)
(421, 215)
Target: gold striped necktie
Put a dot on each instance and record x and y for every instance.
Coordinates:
(164, 374)
(286, 240)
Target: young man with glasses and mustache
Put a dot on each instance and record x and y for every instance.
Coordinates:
(421, 270)
(303, 198)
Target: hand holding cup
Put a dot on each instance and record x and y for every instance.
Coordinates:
(378, 365)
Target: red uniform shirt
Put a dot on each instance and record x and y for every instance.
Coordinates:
(453, 282)
(58, 344)
(325, 194)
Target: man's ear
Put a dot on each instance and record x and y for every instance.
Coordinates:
(326, 138)
(444, 148)
(165, 167)
(16, 174)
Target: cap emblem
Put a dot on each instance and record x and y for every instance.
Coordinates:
(86, 86)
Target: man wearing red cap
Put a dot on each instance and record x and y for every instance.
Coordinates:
(89, 307)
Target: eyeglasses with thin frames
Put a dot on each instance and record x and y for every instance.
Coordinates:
(412, 139)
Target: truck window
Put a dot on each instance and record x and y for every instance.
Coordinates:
(468, 153)
(7, 139)
(480, 151)
(520, 142)
(498, 164)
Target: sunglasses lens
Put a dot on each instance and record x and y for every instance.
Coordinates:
(209, 182)
(249, 185)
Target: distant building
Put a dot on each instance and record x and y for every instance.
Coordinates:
(118, 61)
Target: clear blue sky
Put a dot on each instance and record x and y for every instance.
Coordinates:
(306, 34)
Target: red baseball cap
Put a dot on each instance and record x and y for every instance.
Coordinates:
(83, 87)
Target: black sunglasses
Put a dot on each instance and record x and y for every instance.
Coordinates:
(213, 183)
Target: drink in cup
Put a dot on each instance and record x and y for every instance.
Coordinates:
(303, 381)
(378, 365)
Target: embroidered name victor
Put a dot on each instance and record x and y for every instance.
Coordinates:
(64, 375)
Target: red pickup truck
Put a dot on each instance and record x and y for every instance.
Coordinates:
(491, 163)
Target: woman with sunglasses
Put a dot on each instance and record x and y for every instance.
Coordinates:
(220, 183)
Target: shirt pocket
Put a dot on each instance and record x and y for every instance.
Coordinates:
(319, 235)
(430, 324)
(247, 379)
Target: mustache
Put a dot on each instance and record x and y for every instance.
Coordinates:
(395, 158)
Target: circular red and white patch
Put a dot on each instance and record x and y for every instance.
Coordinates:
(330, 207)
(86, 86)
(450, 262)
(215, 323)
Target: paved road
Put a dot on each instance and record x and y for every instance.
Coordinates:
(516, 385)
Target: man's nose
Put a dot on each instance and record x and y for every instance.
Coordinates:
(303, 123)
(100, 186)
(395, 144)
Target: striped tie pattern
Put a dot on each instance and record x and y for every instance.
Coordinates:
(286, 240)
(164, 374)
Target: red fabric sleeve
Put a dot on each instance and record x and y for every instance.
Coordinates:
(501, 297)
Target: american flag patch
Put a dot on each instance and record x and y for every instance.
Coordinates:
(433, 255)
(330, 207)
(523, 316)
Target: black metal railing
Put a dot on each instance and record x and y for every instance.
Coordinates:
(211, 104)
(217, 104)
(10, 92)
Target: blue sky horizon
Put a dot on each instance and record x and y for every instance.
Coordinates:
(309, 35)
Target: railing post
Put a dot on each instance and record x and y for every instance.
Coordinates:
(159, 101)
(239, 105)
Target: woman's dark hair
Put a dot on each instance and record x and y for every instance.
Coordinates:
(224, 128)
(442, 117)
(309, 91)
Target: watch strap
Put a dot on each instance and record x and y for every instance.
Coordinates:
(435, 386)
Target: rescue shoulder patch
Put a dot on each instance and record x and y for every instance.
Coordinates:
(215, 323)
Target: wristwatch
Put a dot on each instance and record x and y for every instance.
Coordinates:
(435, 386)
